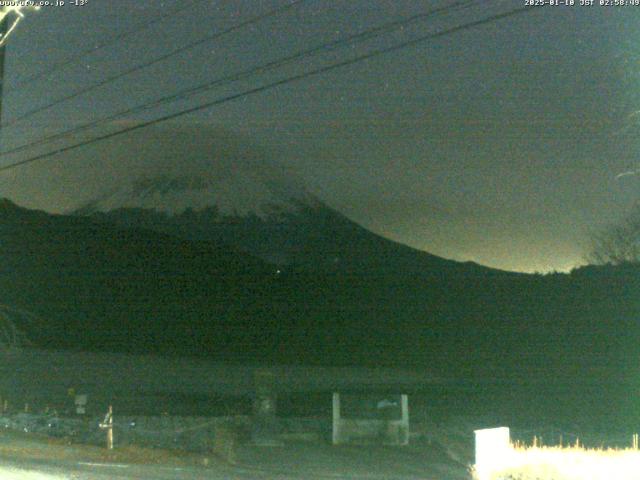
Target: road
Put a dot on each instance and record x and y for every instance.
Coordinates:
(36, 470)
(291, 463)
(36, 457)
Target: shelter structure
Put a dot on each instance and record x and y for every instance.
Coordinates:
(370, 418)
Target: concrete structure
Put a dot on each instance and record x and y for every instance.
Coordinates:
(387, 424)
(265, 423)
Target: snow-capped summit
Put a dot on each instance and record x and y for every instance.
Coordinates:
(233, 195)
(221, 189)
(177, 170)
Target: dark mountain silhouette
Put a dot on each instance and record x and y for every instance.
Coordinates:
(314, 238)
(568, 340)
(282, 224)
(101, 286)
(97, 286)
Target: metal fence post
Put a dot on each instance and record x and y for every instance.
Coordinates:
(107, 424)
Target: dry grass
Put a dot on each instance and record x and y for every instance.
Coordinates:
(564, 463)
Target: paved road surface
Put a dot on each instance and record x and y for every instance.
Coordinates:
(31, 470)
(33, 457)
(288, 464)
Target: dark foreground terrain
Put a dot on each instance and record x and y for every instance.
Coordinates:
(32, 456)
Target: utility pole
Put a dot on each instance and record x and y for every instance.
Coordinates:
(7, 25)
(4, 29)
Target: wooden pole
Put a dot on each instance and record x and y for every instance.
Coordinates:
(4, 26)
(110, 429)
(336, 435)
(107, 424)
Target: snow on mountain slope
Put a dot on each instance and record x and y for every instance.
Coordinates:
(234, 196)
(175, 195)
(237, 195)
(222, 189)
(174, 170)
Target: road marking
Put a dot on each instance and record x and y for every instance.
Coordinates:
(112, 465)
(121, 465)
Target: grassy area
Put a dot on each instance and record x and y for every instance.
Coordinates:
(562, 463)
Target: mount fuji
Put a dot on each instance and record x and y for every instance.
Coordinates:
(257, 209)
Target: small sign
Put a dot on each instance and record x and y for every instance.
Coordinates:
(493, 448)
(81, 404)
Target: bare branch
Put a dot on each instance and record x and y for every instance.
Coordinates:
(619, 243)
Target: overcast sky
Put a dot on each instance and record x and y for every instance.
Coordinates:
(498, 144)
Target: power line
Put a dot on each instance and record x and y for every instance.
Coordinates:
(183, 94)
(271, 85)
(154, 61)
(111, 41)
(362, 36)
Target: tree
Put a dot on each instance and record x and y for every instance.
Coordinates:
(617, 243)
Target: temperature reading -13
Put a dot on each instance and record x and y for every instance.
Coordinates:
(79, 3)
